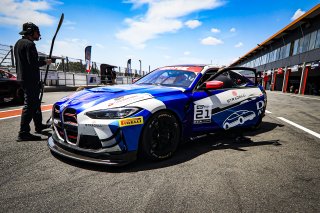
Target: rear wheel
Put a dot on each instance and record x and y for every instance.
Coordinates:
(161, 136)
(19, 96)
(258, 124)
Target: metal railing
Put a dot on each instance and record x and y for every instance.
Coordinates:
(67, 71)
(6, 56)
(60, 78)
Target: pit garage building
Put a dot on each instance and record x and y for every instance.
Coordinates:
(289, 61)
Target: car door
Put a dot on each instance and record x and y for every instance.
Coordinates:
(226, 99)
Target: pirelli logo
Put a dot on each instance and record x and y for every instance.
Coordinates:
(131, 121)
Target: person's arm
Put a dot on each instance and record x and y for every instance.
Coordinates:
(32, 57)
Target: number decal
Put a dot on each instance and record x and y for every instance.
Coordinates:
(202, 114)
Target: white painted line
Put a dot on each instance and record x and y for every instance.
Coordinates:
(268, 112)
(300, 127)
(10, 117)
(20, 115)
(298, 96)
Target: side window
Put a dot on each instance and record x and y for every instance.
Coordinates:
(237, 78)
(231, 78)
(226, 78)
(206, 77)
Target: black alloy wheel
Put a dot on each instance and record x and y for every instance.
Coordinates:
(19, 96)
(161, 136)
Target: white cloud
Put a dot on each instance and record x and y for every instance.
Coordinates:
(233, 30)
(161, 17)
(186, 53)
(100, 46)
(14, 12)
(297, 14)
(125, 48)
(73, 47)
(165, 48)
(211, 41)
(192, 24)
(215, 30)
(240, 44)
(69, 24)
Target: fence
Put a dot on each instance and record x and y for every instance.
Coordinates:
(6, 56)
(60, 78)
(68, 71)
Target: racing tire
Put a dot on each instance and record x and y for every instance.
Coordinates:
(19, 96)
(160, 136)
(258, 124)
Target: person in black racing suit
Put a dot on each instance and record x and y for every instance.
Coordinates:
(28, 73)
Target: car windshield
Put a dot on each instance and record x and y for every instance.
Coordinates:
(170, 78)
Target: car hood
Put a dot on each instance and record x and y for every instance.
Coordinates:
(115, 96)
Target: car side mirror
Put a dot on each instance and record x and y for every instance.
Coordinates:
(214, 85)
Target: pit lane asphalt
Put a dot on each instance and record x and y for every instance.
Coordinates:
(278, 171)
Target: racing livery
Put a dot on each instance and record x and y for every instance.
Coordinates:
(113, 124)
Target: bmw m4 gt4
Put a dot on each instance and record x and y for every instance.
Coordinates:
(112, 124)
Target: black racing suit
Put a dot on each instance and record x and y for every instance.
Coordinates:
(28, 73)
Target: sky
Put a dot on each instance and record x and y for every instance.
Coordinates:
(156, 32)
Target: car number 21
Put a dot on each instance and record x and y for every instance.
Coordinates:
(202, 114)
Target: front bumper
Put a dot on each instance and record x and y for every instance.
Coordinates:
(90, 156)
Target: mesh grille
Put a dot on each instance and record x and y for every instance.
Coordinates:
(70, 125)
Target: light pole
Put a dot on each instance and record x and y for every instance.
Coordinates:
(129, 66)
(140, 67)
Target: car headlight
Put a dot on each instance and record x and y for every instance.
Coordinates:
(113, 113)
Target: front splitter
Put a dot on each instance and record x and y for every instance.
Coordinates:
(102, 158)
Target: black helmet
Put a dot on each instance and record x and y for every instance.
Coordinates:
(29, 28)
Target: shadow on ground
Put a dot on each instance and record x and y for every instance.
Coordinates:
(235, 139)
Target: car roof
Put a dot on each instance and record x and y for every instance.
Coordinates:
(190, 67)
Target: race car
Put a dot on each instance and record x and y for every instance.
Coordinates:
(112, 125)
(10, 88)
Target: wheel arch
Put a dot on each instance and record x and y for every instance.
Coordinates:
(153, 114)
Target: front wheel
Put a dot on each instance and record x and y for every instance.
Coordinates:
(160, 136)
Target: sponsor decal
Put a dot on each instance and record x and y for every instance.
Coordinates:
(260, 105)
(238, 118)
(237, 97)
(202, 114)
(131, 121)
(234, 93)
(123, 100)
(94, 125)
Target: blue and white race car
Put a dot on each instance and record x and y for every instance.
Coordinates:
(113, 124)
